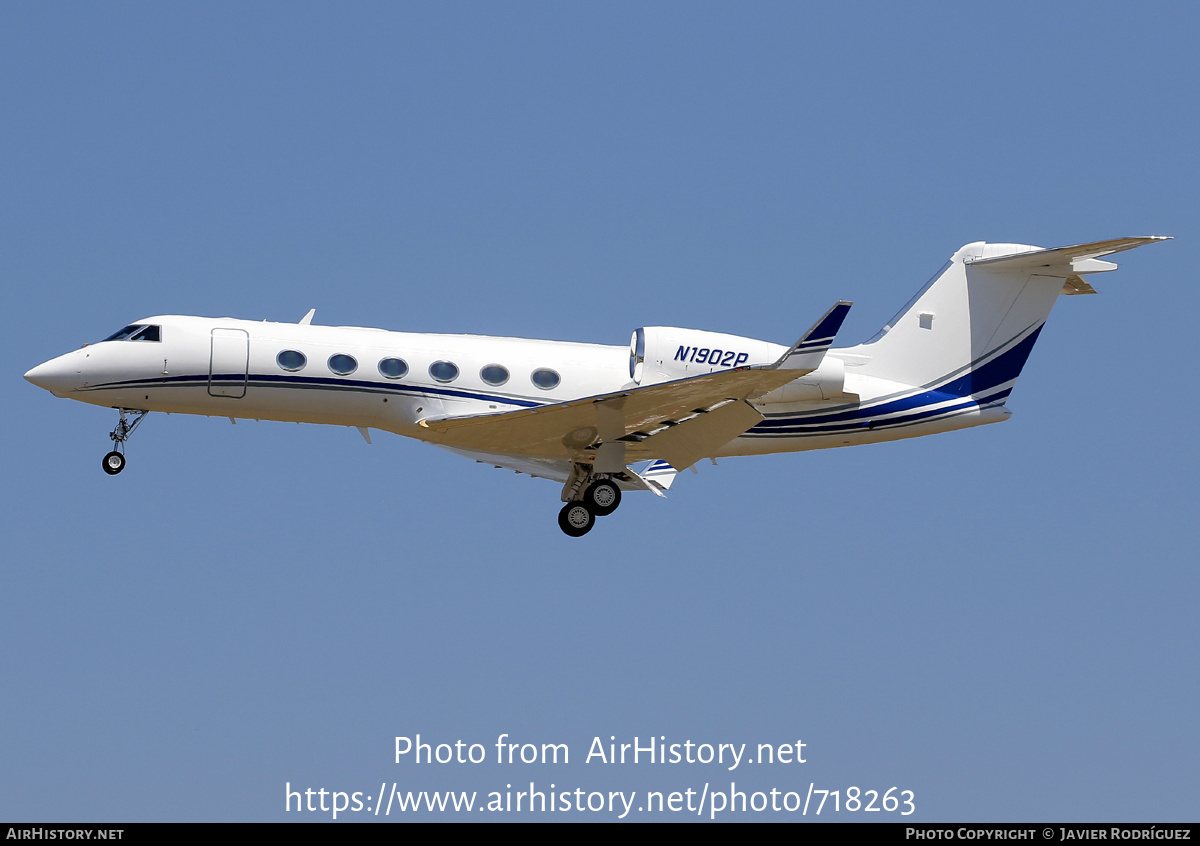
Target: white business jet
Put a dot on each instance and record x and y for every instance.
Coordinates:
(585, 414)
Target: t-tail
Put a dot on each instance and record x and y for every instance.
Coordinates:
(969, 331)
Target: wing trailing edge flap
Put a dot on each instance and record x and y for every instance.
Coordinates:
(679, 421)
(699, 435)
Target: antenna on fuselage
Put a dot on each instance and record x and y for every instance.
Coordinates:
(307, 319)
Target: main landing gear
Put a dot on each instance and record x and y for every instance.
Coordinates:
(576, 519)
(603, 496)
(114, 462)
(599, 499)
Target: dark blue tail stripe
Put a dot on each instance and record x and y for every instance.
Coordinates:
(976, 388)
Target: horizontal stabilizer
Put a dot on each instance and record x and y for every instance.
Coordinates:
(1066, 261)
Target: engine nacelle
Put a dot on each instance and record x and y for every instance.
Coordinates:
(663, 353)
(827, 382)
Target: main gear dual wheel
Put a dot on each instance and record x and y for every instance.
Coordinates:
(576, 519)
(603, 496)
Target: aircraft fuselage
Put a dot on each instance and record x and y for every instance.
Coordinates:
(225, 367)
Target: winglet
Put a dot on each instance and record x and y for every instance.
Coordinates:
(807, 353)
(307, 319)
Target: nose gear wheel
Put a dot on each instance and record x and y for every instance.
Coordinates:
(114, 463)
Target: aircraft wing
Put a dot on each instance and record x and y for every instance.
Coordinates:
(680, 421)
(638, 419)
(556, 469)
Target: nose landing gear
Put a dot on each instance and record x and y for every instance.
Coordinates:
(114, 462)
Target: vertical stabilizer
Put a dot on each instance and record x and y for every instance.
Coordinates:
(969, 331)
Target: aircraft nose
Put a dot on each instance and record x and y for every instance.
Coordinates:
(59, 376)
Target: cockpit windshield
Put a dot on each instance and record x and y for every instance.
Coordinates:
(137, 332)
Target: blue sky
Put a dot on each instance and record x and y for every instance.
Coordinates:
(1000, 620)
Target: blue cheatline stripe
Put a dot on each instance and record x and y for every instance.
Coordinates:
(979, 386)
(311, 382)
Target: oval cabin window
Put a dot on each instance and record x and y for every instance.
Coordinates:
(545, 378)
(342, 364)
(393, 368)
(494, 374)
(292, 360)
(443, 371)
